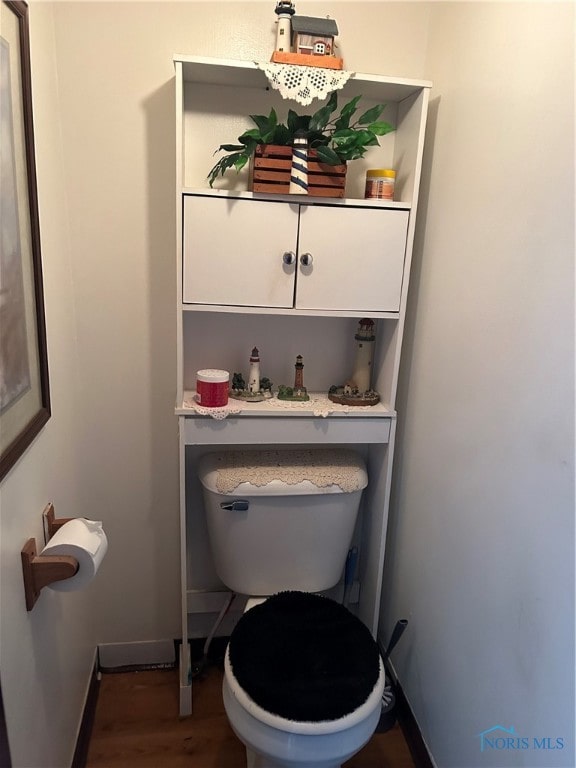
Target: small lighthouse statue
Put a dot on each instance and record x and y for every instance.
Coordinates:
(299, 169)
(364, 353)
(297, 393)
(254, 375)
(284, 10)
(358, 390)
(299, 374)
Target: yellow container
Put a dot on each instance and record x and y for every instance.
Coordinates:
(380, 184)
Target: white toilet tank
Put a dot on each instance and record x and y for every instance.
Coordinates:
(281, 519)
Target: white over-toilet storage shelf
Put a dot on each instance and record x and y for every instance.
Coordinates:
(236, 291)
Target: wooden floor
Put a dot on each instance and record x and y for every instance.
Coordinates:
(137, 726)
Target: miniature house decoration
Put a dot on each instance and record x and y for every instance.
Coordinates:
(314, 37)
(305, 40)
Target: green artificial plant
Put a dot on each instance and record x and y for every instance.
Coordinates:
(336, 138)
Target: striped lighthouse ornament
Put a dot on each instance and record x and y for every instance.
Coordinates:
(299, 169)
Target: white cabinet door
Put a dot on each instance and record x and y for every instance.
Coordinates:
(357, 258)
(233, 252)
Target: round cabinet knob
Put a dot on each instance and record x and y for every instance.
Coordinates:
(289, 257)
(306, 259)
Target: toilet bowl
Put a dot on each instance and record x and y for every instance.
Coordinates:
(303, 677)
(294, 694)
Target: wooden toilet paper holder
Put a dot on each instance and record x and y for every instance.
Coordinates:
(41, 570)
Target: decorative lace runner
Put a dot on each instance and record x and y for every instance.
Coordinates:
(233, 407)
(319, 405)
(323, 468)
(303, 84)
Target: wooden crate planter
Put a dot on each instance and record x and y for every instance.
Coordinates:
(270, 172)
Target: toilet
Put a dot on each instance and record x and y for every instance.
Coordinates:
(303, 677)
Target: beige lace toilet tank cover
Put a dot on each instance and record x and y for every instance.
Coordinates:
(323, 468)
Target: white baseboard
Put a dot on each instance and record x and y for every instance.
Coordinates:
(139, 653)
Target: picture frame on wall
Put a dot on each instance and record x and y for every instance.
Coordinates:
(24, 383)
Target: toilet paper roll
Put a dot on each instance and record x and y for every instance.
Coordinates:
(86, 541)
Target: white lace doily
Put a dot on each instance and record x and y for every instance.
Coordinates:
(303, 84)
(319, 404)
(216, 413)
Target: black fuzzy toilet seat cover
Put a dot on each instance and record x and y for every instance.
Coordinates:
(304, 657)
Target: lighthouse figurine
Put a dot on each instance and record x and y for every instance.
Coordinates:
(299, 375)
(299, 169)
(257, 388)
(284, 10)
(298, 392)
(357, 390)
(254, 374)
(364, 354)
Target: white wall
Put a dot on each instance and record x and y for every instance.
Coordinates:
(105, 128)
(116, 79)
(481, 552)
(46, 655)
(482, 558)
